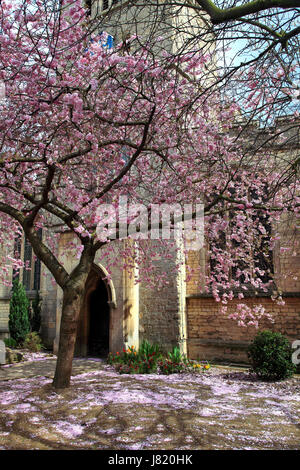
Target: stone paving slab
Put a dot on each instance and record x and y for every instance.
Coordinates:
(46, 368)
(103, 410)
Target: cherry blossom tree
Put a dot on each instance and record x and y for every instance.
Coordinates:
(254, 63)
(255, 47)
(82, 125)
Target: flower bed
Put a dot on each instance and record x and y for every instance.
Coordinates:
(148, 359)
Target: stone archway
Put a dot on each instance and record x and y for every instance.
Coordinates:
(94, 325)
(98, 321)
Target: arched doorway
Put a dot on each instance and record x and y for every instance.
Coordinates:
(98, 322)
(94, 323)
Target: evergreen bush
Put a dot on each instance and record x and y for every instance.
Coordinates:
(271, 356)
(19, 325)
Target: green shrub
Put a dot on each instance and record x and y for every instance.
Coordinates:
(35, 317)
(270, 355)
(10, 343)
(33, 342)
(18, 323)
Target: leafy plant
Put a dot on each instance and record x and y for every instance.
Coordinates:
(270, 355)
(176, 362)
(176, 356)
(35, 318)
(147, 349)
(148, 359)
(142, 361)
(10, 342)
(33, 342)
(19, 325)
(166, 366)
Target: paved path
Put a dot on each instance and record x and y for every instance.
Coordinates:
(103, 410)
(46, 368)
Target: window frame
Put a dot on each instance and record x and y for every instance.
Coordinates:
(31, 277)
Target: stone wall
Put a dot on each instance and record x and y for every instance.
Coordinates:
(213, 336)
(159, 316)
(4, 313)
(48, 293)
(120, 317)
(162, 312)
(5, 294)
(168, 26)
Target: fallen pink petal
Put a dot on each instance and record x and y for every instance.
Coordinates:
(223, 408)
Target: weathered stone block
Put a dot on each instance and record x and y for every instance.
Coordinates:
(2, 352)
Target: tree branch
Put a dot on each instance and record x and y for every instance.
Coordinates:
(219, 15)
(40, 249)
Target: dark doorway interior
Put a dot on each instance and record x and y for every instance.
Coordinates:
(98, 337)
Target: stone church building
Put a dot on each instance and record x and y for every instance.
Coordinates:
(117, 313)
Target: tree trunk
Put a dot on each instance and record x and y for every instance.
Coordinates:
(73, 295)
(72, 301)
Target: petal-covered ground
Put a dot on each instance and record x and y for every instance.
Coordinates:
(221, 408)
